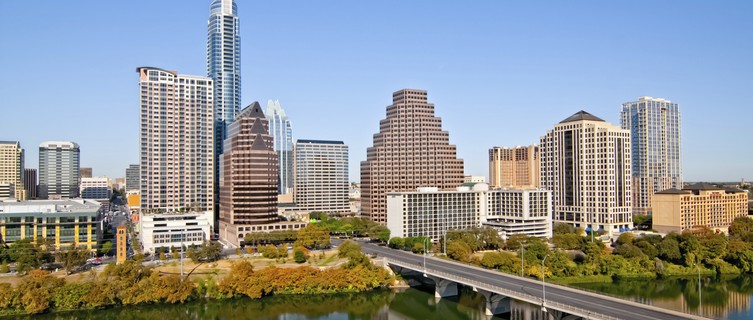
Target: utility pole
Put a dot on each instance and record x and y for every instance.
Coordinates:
(182, 233)
(543, 285)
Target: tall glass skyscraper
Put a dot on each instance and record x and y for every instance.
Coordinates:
(224, 67)
(282, 133)
(59, 164)
(654, 125)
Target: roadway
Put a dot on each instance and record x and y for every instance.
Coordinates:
(599, 304)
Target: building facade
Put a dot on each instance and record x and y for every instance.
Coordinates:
(282, 136)
(85, 173)
(321, 176)
(95, 188)
(174, 230)
(12, 168)
(516, 167)
(410, 151)
(121, 242)
(59, 164)
(133, 173)
(248, 184)
(474, 179)
(62, 222)
(430, 212)
(698, 205)
(30, 183)
(176, 139)
(585, 162)
(654, 125)
(224, 68)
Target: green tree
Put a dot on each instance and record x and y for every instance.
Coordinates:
(625, 238)
(669, 249)
(348, 248)
(4, 267)
(567, 241)
(562, 228)
(418, 247)
(313, 236)
(459, 250)
(208, 251)
(742, 228)
(73, 258)
(379, 233)
(397, 243)
(107, 248)
(300, 254)
(27, 255)
(515, 241)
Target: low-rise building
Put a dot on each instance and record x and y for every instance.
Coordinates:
(698, 205)
(430, 212)
(95, 188)
(174, 230)
(68, 222)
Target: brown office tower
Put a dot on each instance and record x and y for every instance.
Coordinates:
(410, 151)
(248, 179)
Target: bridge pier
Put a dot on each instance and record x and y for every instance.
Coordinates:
(443, 287)
(495, 303)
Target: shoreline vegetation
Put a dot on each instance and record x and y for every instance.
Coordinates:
(569, 257)
(132, 283)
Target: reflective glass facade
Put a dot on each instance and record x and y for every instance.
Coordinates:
(654, 125)
(224, 67)
(282, 133)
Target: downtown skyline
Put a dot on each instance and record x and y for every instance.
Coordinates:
(512, 69)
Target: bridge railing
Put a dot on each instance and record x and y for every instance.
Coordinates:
(532, 299)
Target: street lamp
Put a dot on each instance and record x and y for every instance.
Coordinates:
(700, 296)
(522, 260)
(425, 246)
(543, 285)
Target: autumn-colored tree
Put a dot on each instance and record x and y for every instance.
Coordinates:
(36, 289)
(300, 254)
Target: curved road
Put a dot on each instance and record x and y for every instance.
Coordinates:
(600, 304)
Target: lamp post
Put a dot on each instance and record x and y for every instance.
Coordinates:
(522, 260)
(543, 285)
(182, 233)
(700, 296)
(425, 245)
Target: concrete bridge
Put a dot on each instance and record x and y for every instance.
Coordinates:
(558, 302)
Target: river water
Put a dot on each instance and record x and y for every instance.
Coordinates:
(723, 298)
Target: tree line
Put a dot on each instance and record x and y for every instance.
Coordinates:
(132, 283)
(570, 255)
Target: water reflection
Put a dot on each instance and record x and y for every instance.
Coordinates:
(723, 297)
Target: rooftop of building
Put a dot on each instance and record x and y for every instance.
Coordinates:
(673, 191)
(69, 205)
(581, 116)
(702, 186)
(319, 141)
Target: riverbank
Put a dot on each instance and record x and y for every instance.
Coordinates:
(133, 283)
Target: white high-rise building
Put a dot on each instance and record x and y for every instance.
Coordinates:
(585, 162)
(430, 212)
(321, 176)
(654, 125)
(282, 134)
(59, 164)
(177, 141)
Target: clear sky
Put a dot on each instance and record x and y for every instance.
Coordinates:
(500, 73)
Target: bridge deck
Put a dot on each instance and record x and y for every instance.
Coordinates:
(576, 302)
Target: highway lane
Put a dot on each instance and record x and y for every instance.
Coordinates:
(609, 306)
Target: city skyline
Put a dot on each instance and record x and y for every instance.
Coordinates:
(490, 64)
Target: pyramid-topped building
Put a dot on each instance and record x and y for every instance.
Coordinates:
(410, 151)
(248, 181)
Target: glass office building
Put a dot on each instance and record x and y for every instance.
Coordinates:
(224, 68)
(654, 125)
(282, 134)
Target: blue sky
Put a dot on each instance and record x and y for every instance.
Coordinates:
(500, 73)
